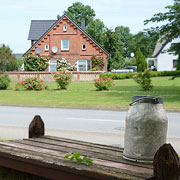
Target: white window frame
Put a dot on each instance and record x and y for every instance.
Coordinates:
(65, 27)
(84, 49)
(64, 49)
(86, 64)
(52, 63)
(46, 47)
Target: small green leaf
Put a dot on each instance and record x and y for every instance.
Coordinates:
(67, 156)
(79, 159)
(71, 159)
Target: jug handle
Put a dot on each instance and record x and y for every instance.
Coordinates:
(154, 100)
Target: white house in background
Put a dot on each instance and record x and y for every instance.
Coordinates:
(162, 59)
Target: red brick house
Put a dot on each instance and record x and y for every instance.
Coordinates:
(64, 38)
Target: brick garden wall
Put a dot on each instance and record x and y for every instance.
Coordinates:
(47, 76)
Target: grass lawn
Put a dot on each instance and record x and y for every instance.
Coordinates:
(84, 94)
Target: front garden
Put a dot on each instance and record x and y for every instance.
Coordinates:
(84, 94)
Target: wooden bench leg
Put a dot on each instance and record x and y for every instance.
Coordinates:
(166, 164)
(36, 127)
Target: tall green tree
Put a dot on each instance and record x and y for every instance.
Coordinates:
(145, 41)
(96, 29)
(78, 10)
(7, 59)
(113, 45)
(125, 39)
(140, 61)
(170, 29)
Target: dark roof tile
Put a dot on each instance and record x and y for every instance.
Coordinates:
(38, 28)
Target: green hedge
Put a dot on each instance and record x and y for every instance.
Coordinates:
(117, 75)
(129, 75)
(165, 73)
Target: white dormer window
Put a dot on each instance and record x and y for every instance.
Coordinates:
(46, 48)
(65, 28)
(83, 47)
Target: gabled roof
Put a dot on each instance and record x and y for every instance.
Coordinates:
(159, 47)
(38, 28)
(54, 24)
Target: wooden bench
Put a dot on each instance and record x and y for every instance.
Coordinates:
(44, 156)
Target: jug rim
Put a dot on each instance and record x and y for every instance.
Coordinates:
(146, 99)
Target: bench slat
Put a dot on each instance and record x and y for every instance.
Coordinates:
(48, 151)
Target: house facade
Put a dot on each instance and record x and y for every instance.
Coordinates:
(63, 38)
(162, 59)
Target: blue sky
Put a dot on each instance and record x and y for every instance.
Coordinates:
(16, 16)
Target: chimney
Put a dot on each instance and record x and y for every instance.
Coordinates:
(83, 23)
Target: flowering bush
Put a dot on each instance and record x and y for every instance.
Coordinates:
(35, 63)
(103, 83)
(63, 78)
(97, 61)
(62, 63)
(4, 81)
(32, 84)
(144, 80)
(18, 87)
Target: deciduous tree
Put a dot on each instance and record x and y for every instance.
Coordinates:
(96, 29)
(113, 45)
(146, 41)
(125, 39)
(79, 10)
(170, 29)
(7, 59)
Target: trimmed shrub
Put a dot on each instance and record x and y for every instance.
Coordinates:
(33, 84)
(144, 80)
(62, 78)
(4, 81)
(103, 83)
(140, 61)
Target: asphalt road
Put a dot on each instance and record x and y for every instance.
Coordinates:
(100, 126)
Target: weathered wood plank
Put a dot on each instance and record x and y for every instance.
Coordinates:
(101, 146)
(95, 172)
(70, 150)
(77, 146)
(87, 152)
(59, 157)
(40, 168)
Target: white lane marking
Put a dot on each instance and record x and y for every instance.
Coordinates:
(102, 120)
